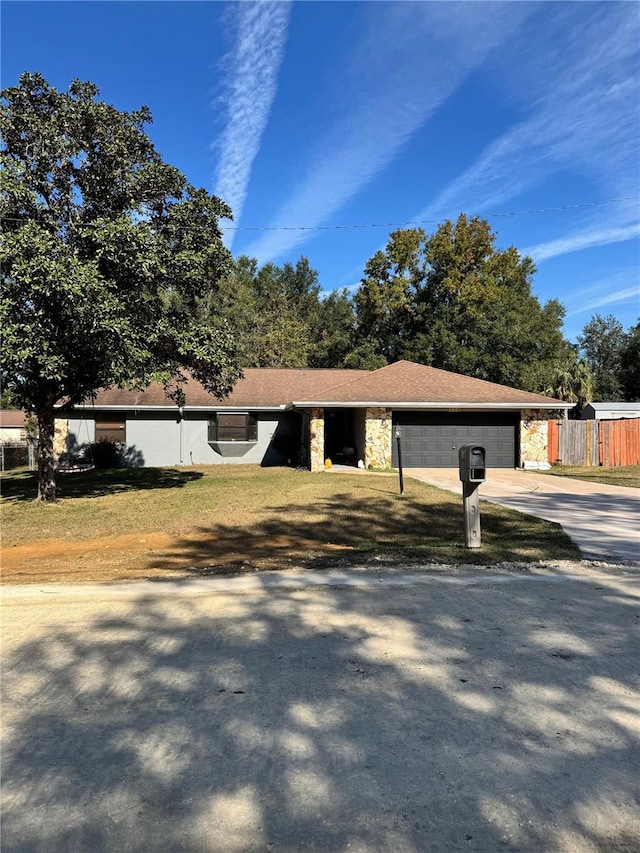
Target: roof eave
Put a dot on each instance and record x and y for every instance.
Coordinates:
(341, 404)
(164, 408)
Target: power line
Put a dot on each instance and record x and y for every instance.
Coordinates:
(426, 221)
(512, 213)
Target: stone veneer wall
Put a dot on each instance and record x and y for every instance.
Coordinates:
(60, 437)
(316, 439)
(378, 430)
(534, 438)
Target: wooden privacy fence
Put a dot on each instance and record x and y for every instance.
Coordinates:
(608, 443)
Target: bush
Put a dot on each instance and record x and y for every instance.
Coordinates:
(106, 454)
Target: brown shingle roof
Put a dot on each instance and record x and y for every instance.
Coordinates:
(401, 383)
(12, 418)
(261, 387)
(406, 382)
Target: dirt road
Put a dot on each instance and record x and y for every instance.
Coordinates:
(333, 713)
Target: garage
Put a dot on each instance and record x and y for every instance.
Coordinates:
(432, 439)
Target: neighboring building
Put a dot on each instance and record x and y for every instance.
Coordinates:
(610, 411)
(279, 416)
(12, 426)
(17, 442)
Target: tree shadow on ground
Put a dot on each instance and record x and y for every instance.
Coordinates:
(98, 482)
(482, 718)
(338, 529)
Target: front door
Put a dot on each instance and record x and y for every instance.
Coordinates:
(340, 436)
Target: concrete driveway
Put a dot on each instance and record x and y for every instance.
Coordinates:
(604, 521)
(265, 713)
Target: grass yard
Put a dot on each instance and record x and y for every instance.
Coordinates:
(628, 475)
(168, 522)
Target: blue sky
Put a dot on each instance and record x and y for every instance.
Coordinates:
(381, 114)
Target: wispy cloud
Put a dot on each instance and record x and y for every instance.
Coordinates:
(582, 240)
(580, 121)
(249, 90)
(350, 288)
(411, 58)
(620, 287)
(626, 295)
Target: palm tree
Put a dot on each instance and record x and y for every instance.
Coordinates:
(573, 383)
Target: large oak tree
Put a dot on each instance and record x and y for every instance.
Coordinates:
(455, 301)
(106, 251)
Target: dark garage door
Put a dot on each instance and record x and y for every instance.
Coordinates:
(432, 440)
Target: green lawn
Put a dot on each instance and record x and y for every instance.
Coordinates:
(628, 475)
(146, 522)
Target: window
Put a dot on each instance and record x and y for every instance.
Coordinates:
(236, 426)
(111, 428)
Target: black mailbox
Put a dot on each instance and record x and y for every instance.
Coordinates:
(471, 463)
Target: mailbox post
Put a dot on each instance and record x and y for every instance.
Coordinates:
(400, 462)
(471, 464)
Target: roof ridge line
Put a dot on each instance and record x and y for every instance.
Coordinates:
(355, 378)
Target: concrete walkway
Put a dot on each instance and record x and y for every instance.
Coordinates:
(604, 521)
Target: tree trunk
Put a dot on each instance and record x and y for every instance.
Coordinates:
(46, 463)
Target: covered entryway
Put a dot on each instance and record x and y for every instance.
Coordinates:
(432, 439)
(343, 435)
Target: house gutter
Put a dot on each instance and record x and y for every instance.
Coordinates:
(449, 406)
(327, 404)
(133, 407)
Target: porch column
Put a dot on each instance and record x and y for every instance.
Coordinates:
(534, 439)
(60, 437)
(378, 435)
(316, 439)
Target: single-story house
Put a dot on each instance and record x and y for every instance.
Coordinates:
(12, 426)
(610, 411)
(17, 440)
(277, 416)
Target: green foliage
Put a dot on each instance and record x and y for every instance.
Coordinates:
(630, 364)
(6, 399)
(31, 427)
(454, 301)
(601, 344)
(387, 301)
(573, 382)
(332, 330)
(106, 454)
(106, 254)
(281, 317)
(365, 356)
(261, 305)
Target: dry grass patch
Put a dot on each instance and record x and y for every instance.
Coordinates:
(141, 523)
